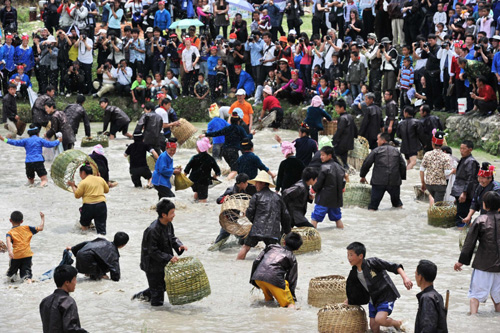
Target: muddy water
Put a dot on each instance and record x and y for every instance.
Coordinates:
(401, 236)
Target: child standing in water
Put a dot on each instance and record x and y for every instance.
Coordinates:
(200, 167)
(18, 245)
(368, 282)
(275, 271)
(34, 158)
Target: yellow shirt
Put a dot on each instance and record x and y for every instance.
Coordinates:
(21, 238)
(73, 53)
(92, 189)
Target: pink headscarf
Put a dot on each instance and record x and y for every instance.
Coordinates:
(287, 148)
(98, 149)
(316, 101)
(203, 145)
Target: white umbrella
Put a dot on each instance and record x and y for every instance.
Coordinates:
(242, 4)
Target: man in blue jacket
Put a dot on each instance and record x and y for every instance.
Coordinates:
(162, 17)
(164, 169)
(245, 81)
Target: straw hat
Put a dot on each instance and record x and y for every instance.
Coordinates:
(263, 177)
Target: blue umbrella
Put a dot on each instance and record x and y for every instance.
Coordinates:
(184, 24)
(242, 4)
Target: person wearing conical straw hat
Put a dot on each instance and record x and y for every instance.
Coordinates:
(268, 214)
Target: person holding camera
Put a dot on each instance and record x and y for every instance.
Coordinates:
(101, 45)
(115, 17)
(330, 45)
(65, 20)
(190, 59)
(204, 54)
(389, 66)
(50, 15)
(370, 49)
(239, 27)
(305, 49)
(173, 53)
(85, 57)
(73, 79)
(137, 50)
(79, 13)
(123, 75)
(432, 73)
(255, 46)
(115, 46)
(158, 45)
(268, 57)
(283, 73)
(63, 43)
(48, 63)
(108, 79)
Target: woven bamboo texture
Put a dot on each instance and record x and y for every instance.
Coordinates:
(311, 240)
(462, 236)
(232, 215)
(341, 318)
(3, 247)
(357, 156)
(66, 164)
(329, 128)
(186, 281)
(184, 131)
(267, 121)
(442, 214)
(95, 140)
(357, 195)
(324, 290)
(421, 195)
(150, 160)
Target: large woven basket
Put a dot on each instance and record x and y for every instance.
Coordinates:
(324, 290)
(184, 131)
(66, 164)
(186, 281)
(442, 214)
(267, 121)
(232, 215)
(358, 195)
(421, 195)
(95, 140)
(310, 237)
(342, 318)
(329, 127)
(357, 156)
(462, 236)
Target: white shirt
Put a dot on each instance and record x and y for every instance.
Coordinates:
(420, 62)
(329, 51)
(163, 114)
(268, 54)
(106, 79)
(124, 78)
(187, 57)
(84, 55)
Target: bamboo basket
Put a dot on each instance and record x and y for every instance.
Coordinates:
(150, 160)
(442, 214)
(232, 215)
(342, 318)
(95, 140)
(3, 247)
(324, 290)
(329, 128)
(310, 237)
(357, 195)
(66, 164)
(184, 131)
(357, 156)
(186, 281)
(421, 195)
(267, 121)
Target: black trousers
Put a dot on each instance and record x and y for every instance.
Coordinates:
(137, 173)
(47, 76)
(434, 91)
(293, 24)
(87, 73)
(343, 156)
(122, 89)
(375, 82)
(22, 265)
(188, 82)
(230, 156)
(137, 67)
(462, 211)
(97, 212)
(378, 192)
(164, 192)
(279, 117)
(368, 23)
(318, 25)
(338, 24)
(156, 290)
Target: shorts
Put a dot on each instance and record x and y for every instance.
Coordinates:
(483, 284)
(202, 191)
(407, 156)
(382, 307)
(38, 167)
(252, 241)
(283, 296)
(115, 128)
(319, 213)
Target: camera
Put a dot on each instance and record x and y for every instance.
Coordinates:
(345, 46)
(301, 40)
(84, 36)
(477, 47)
(113, 38)
(277, 43)
(328, 38)
(106, 67)
(445, 45)
(202, 37)
(426, 45)
(366, 45)
(381, 46)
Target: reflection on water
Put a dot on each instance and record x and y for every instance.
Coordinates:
(402, 236)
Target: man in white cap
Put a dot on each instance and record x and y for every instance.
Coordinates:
(268, 215)
(374, 62)
(245, 106)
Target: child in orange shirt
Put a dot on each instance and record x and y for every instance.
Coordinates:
(18, 246)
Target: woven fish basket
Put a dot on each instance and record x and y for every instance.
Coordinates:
(267, 121)
(150, 160)
(462, 236)
(329, 128)
(342, 318)
(186, 281)
(184, 131)
(357, 156)
(324, 290)
(310, 237)
(421, 195)
(95, 140)
(442, 214)
(232, 215)
(66, 164)
(357, 195)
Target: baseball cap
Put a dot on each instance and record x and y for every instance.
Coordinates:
(241, 92)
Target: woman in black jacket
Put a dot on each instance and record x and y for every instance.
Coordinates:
(293, 12)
